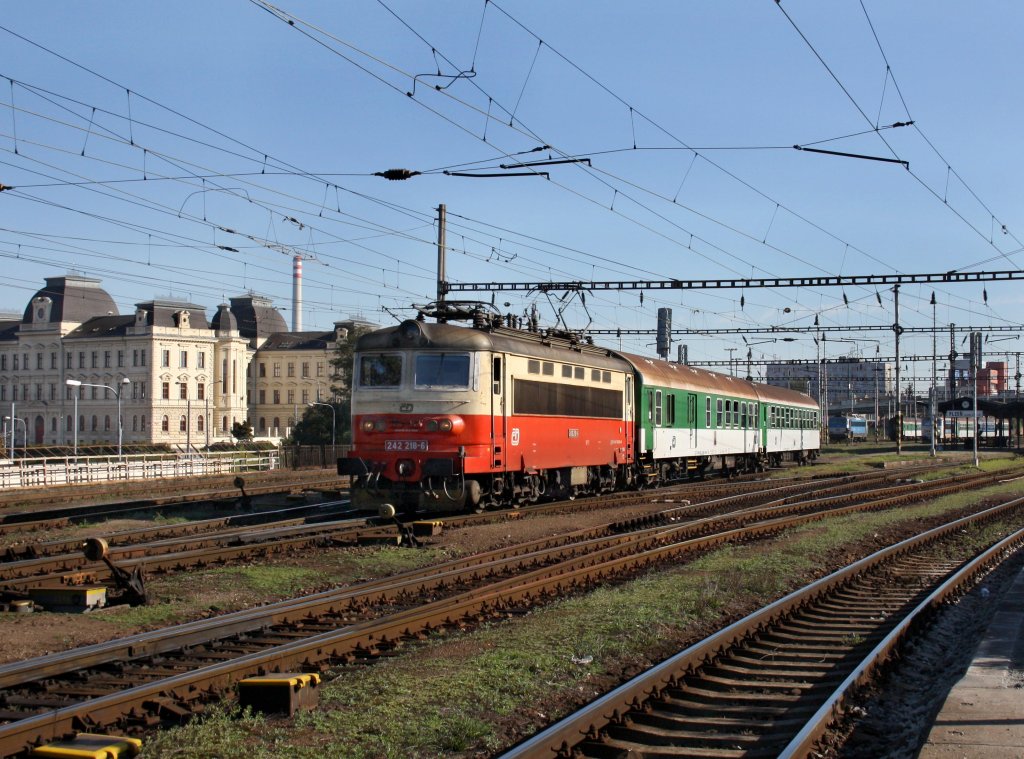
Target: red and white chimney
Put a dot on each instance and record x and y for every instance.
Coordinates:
(297, 295)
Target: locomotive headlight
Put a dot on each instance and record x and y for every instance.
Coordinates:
(445, 425)
(367, 425)
(431, 425)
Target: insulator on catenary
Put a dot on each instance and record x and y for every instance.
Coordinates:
(396, 174)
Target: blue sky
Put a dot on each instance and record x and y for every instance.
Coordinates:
(189, 97)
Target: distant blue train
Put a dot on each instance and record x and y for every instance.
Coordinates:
(846, 429)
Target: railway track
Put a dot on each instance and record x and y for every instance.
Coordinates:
(138, 682)
(770, 684)
(219, 541)
(162, 499)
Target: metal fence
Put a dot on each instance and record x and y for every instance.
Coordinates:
(36, 472)
(312, 456)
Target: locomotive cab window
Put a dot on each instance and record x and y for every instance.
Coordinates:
(442, 370)
(380, 370)
(496, 375)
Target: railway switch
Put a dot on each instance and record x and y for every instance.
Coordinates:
(283, 692)
(130, 584)
(90, 746)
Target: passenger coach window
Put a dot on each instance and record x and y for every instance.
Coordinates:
(442, 370)
(657, 408)
(718, 413)
(496, 375)
(707, 411)
(380, 370)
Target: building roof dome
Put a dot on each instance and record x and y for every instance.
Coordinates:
(71, 298)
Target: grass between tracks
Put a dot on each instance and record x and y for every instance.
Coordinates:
(471, 694)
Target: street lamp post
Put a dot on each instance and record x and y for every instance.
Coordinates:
(14, 426)
(117, 394)
(333, 419)
(75, 384)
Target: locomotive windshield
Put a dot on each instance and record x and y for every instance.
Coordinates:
(442, 370)
(380, 370)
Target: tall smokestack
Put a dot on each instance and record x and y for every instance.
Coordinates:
(297, 295)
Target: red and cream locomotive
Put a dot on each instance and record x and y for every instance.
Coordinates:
(448, 417)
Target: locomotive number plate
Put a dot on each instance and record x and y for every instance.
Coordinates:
(405, 445)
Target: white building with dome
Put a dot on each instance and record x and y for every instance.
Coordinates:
(178, 378)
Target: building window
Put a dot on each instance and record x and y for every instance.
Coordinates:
(263, 396)
(3, 362)
(182, 390)
(95, 359)
(277, 370)
(142, 354)
(135, 391)
(70, 421)
(305, 369)
(135, 357)
(200, 360)
(183, 424)
(263, 369)
(53, 392)
(166, 395)
(183, 360)
(142, 423)
(14, 392)
(201, 391)
(39, 392)
(135, 423)
(68, 360)
(200, 423)
(291, 396)
(305, 397)
(277, 396)
(291, 369)
(277, 424)
(16, 362)
(39, 361)
(106, 423)
(53, 360)
(120, 359)
(81, 360)
(263, 423)
(319, 368)
(224, 423)
(165, 424)
(81, 422)
(3, 392)
(142, 389)
(165, 358)
(95, 422)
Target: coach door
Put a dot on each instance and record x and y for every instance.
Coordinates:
(691, 418)
(499, 390)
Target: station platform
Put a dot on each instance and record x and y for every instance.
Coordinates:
(983, 715)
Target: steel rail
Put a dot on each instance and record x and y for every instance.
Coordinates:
(452, 572)
(583, 570)
(588, 722)
(34, 520)
(812, 734)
